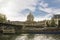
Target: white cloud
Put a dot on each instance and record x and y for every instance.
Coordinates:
(43, 4)
(51, 11)
(12, 8)
(43, 18)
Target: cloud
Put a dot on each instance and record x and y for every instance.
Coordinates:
(43, 4)
(47, 17)
(18, 10)
(43, 7)
(51, 11)
(12, 8)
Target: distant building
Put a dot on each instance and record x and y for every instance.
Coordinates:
(56, 18)
(30, 17)
(30, 22)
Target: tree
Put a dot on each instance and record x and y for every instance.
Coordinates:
(53, 23)
(2, 18)
(47, 24)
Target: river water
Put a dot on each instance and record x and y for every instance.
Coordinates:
(38, 37)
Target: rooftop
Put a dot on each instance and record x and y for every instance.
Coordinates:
(56, 16)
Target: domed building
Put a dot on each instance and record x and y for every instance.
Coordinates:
(30, 17)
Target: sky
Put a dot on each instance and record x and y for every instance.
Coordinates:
(17, 10)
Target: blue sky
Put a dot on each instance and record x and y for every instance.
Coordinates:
(17, 10)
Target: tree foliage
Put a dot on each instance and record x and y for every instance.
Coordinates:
(47, 24)
(53, 23)
(2, 18)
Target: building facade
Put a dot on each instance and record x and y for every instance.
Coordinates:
(57, 19)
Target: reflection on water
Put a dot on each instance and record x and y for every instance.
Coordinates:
(38, 37)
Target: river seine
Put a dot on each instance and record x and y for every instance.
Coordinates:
(38, 37)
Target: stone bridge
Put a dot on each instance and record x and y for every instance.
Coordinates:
(25, 28)
(9, 27)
